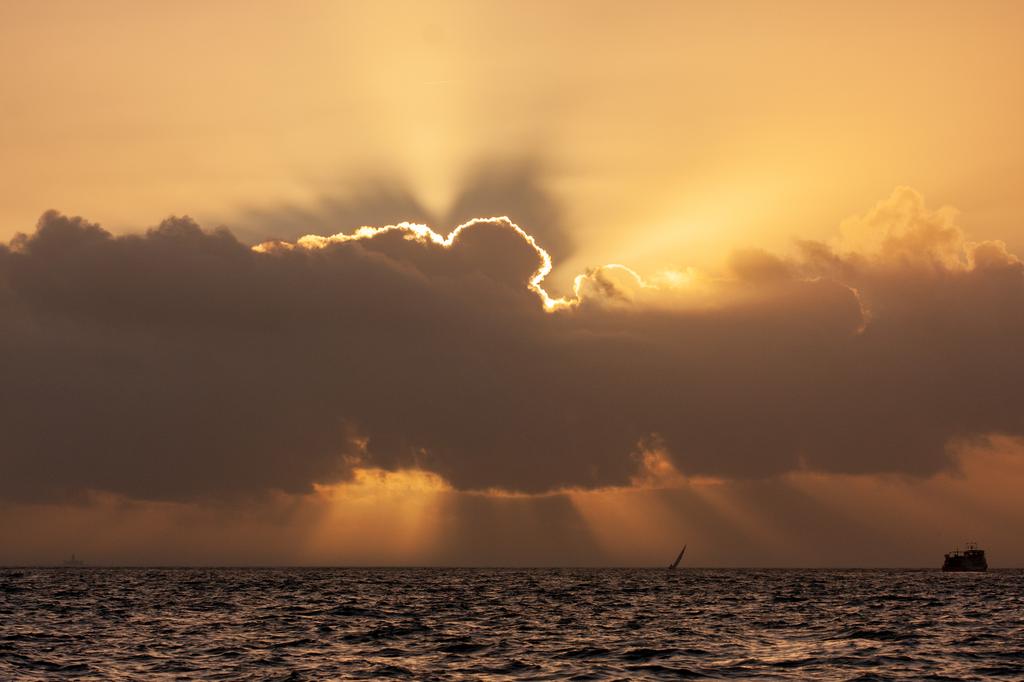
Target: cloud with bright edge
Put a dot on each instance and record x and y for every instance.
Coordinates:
(183, 364)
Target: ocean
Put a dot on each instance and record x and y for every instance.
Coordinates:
(536, 624)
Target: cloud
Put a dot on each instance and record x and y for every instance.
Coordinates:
(516, 187)
(183, 364)
(413, 518)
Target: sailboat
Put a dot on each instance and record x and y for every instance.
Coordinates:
(679, 558)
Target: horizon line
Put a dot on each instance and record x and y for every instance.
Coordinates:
(487, 567)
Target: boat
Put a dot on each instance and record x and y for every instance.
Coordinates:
(74, 562)
(971, 559)
(679, 558)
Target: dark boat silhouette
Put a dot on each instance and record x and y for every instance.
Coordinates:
(74, 563)
(679, 558)
(971, 559)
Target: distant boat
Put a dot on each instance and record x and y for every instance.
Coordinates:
(679, 558)
(74, 563)
(971, 559)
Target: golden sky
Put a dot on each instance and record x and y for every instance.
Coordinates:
(813, 308)
(667, 132)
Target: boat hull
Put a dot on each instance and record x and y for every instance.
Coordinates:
(965, 569)
(971, 562)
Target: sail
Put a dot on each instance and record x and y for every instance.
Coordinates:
(678, 558)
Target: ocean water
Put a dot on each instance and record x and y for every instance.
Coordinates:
(298, 624)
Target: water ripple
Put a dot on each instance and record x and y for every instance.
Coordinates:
(447, 624)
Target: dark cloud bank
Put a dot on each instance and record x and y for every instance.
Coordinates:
(183, 364)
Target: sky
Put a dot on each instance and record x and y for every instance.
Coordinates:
(511, 284)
